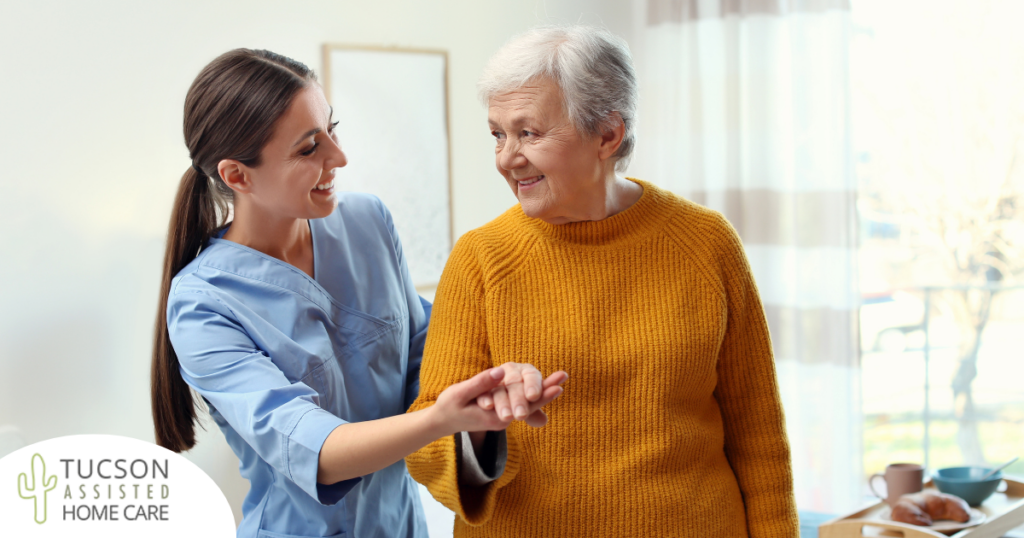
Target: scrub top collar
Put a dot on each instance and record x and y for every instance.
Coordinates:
(218, 238)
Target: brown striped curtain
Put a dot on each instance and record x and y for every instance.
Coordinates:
(745, 109)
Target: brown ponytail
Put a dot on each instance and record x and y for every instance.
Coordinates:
(230, 112)
(174, 411)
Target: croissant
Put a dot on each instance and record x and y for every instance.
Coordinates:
(923, 508)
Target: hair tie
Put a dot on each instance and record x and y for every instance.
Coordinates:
(197, 169)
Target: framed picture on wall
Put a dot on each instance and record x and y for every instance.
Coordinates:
(392, 109)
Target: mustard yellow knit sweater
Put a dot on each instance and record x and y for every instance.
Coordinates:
(670, 424)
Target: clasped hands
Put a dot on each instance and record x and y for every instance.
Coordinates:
(522, 394)
(492, 399)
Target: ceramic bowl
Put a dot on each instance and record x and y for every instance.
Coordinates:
(966, 483)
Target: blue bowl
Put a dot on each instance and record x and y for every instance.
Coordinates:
(966, 483)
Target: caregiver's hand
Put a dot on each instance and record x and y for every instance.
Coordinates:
(521, 388)
(457, 407)
(360, 448)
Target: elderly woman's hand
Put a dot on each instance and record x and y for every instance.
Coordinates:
(522, 386)
(523, 390)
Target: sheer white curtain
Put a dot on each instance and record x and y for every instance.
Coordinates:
(745, 108)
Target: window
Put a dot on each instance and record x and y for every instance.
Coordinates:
(938, 135)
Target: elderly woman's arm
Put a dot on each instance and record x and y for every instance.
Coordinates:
(456, 349)
(748, 394)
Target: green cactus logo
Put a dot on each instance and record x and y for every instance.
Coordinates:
(38, 488)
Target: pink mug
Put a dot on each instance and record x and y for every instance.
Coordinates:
(900, 479)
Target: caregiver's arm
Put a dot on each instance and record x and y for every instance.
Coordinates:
(360, 448)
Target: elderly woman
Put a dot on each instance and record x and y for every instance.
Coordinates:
(671, 424)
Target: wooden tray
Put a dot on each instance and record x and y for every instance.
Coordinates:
(1004, 512)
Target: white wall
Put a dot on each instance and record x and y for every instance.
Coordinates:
(91, 148)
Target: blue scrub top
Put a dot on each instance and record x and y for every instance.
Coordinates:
(282, 359)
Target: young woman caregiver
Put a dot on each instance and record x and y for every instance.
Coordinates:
(297, 322)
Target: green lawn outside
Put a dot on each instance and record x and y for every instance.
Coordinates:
(889, 439)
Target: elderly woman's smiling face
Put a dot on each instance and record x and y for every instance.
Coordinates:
(557, 174)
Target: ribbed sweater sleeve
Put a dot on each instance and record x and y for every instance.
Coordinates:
(456, 350)
(756, 444)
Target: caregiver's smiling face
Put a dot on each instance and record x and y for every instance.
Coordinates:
(550, 167)
(295, 177)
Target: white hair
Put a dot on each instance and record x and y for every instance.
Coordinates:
(591, 66)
